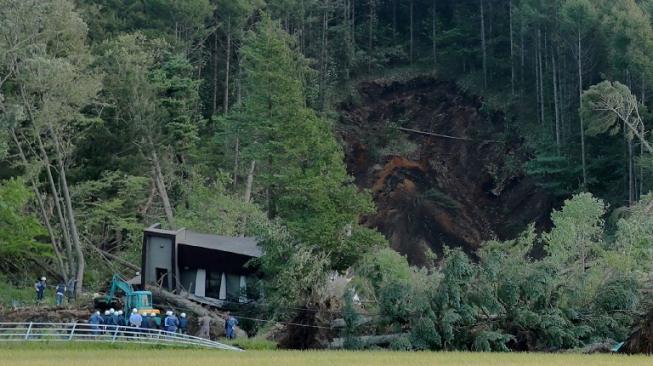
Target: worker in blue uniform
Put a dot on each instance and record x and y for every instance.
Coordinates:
(171, 322)
(183, 323)
(115, 317)
(145, 325)
(155, 321)
(135, 319)
(95, 321)
(230, 326)
(59, 293)
(106, 320)
(40, 286)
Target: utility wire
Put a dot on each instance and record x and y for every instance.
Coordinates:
(446, 136)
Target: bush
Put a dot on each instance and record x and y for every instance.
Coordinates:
(401, 344)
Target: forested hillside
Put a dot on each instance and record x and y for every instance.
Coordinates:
(503, 146)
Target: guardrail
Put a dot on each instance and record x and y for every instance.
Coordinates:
(84, 332)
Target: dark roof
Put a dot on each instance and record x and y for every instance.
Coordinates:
(239, 245)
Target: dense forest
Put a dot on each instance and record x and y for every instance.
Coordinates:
(235, 117)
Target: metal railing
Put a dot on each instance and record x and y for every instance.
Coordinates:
(84, 332)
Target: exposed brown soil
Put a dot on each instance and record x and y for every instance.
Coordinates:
(430, 190)
(641, 340)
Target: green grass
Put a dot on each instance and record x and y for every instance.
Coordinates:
(256, 344)
(78, 355)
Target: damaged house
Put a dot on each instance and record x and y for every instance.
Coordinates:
(199, 265)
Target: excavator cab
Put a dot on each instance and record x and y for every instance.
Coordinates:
(141, 300)
(122, 296)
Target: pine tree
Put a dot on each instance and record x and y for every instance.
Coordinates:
(301, 174)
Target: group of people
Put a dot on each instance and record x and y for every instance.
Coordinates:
(59, 293)
(145, 322)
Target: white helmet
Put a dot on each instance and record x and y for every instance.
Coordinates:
(112, 310)
(119, 312)
(183, 315)
(169, 313)
(42, 278)
(106, 312)
(134, 311)
(152, 315)
(97, 313)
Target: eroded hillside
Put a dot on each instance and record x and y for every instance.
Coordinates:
(438, 167)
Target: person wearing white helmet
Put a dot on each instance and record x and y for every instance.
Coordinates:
(121, 318)
(170, 323)
(183, 323)
(95, 321)
(40, 286)
(107, 320)
(135, 319)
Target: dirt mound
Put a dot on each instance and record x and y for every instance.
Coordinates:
(44, 314)
(438, 167)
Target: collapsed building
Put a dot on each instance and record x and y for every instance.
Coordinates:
(207, 267)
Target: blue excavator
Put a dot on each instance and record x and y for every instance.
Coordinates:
(122, 295)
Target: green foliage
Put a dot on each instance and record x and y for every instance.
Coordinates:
(210, 208)
(301, 165)
(19, 228)
(556, 301)
(351, 317)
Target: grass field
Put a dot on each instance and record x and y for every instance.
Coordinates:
(72, 355)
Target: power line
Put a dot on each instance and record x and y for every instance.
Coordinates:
(446, 136)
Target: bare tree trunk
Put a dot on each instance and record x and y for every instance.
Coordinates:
(412, 30)
(483, 44)
(324, 57)
(641, 166)
(161, 187)
(540, 57)
(236, 161)
(556, 106)
(512, 51)
(434, 32)
(250, 181)
(44, 212)
(521, 49)
(55, 193)
(70, 213)
(214, 109)
(538, 81)
(582, 124)
(394, 21)
(631, 174)
(227, 67)
(370, 36)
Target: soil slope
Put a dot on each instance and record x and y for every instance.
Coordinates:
(459, 189)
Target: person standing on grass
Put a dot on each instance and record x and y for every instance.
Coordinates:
(230, 326)
(40, 286)
(59, 293)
